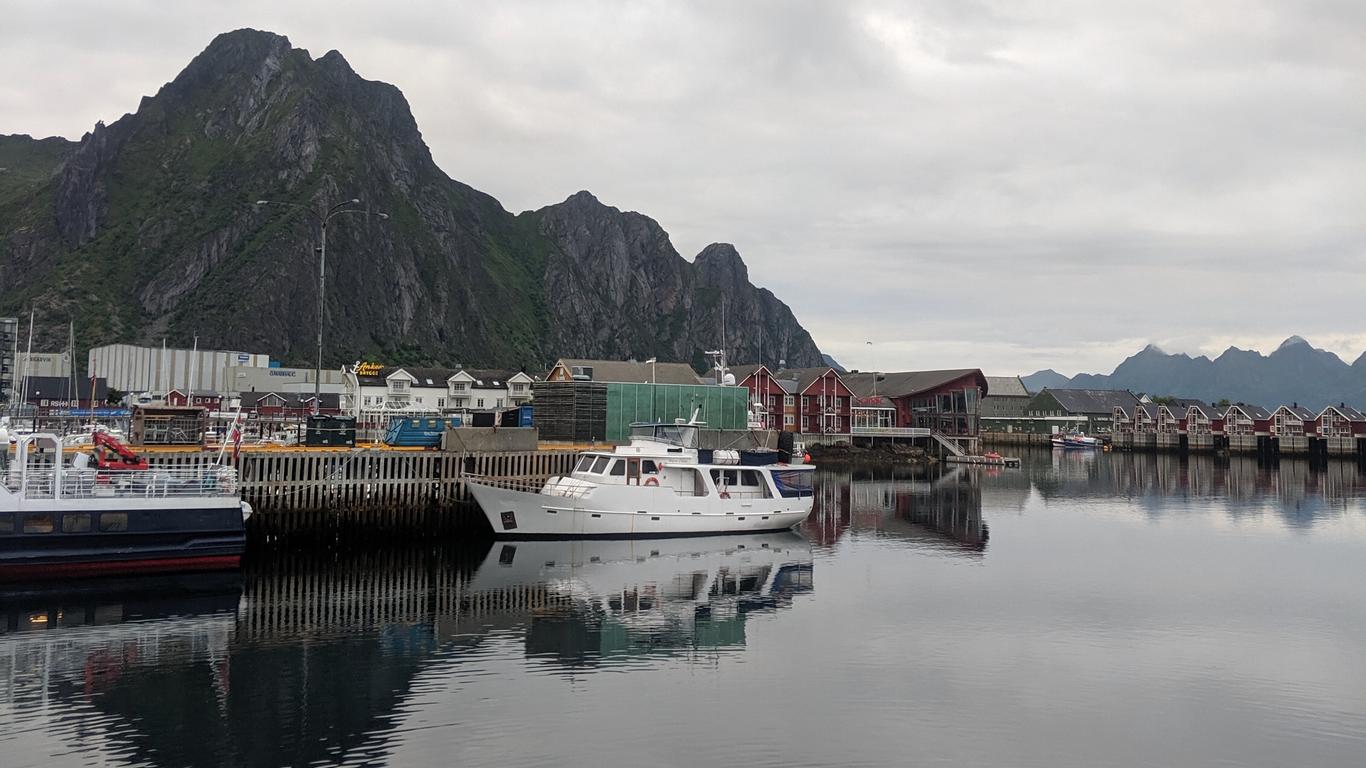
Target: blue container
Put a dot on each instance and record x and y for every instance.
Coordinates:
(418, 431)
(524, 416)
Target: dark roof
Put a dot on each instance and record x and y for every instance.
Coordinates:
(1210, 411)
(1006, 386)
(743, 372)
(295, 399)
(805, 377)
(1183, 403)
(1092, 401)
(59, 388)
(635, 372)
(906, 383)
(788, 386)
(1300, 411)
(1347, 411)
(1254, 412)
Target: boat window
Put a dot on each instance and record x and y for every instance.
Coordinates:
(113, 522)
(600, 465)
(725, 477)
(647, 467)
(585, 464)
(76, 522)
(749, 477)
(6, 522)
(618, 467)
(37, 523)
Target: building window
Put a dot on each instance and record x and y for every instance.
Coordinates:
(789, 400)
(459, 386)
(789, 420)
(806, 402)
(441, 402)
(398, 385)
(519, 387)
(479, 403)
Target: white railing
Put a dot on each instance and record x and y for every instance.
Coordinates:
(892, 431)
(210, 481)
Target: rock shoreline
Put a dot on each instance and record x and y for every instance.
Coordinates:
(843, 453)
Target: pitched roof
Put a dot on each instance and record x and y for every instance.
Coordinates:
(1092, 401)
(1211, 411)
(487, 377)
(1347, 411)
(1300, 411)
(1006, 386)
(805, 377)
(633, 372)
(743, 372)
(906, 383)
(437, 376)
(1254, 412)
(295, 399)
(1184, 403)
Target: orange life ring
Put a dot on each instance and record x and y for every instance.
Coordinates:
(725, 494)
(651, 481)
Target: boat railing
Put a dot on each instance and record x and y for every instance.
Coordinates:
(134, 483)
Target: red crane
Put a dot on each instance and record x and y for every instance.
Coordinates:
(110, 453)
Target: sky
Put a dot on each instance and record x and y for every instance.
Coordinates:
(952, 183)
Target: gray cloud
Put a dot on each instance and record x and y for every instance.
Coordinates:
(1009, 185)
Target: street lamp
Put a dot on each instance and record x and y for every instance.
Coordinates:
(874, 362)
(322, 219)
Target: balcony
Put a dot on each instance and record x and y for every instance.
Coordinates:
(891, 431)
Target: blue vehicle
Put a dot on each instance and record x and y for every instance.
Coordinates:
(418, 431)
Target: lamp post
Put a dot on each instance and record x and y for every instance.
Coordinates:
(870, 359)
(322, 219)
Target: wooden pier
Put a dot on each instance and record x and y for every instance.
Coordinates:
(296, 491)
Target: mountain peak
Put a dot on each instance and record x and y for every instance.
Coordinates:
(1292, 342)
(720, 264)
(1152, 349)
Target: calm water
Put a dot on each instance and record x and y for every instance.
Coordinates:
(1083, 611)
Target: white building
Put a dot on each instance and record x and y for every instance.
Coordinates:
(152, 369)
(409, 389)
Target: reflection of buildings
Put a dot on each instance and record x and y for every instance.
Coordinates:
(935, 508)
(308, 658)
(1298, 491)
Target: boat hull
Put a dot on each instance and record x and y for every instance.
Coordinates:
(655, 513)
(154, 541)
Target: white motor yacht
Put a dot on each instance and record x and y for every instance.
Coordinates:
(661, 484)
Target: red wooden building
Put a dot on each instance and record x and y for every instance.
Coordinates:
(768, 392)
(1204, 419)
(1341, 421)
(1294, 421)
(207, 400)
(947, 401)
(1243, 419)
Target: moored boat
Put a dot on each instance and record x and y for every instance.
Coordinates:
(59, 520)
(661, 484)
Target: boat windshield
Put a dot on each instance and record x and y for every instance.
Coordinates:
(682, 435)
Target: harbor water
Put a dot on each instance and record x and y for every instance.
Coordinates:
(1084, 610)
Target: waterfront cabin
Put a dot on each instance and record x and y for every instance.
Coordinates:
(1244, 424)
(623, 372)
(1122, 426)
(1145, 426)
(1292, 427)
(1171, 426)
(1204, 427)
(1341, 427)
(212, 401)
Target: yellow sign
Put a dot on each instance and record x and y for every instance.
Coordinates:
(368, 369)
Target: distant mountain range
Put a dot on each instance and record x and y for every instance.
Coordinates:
(1296, 372)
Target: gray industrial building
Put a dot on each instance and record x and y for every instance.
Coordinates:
(156, 370)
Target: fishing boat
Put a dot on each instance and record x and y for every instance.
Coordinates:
(119, 516)
(660, 484)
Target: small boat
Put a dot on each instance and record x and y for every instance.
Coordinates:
(117, 517)
(1076, 442)
(661, 484)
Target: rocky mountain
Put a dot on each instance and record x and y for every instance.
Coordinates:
(1296, 372)
(147, 228)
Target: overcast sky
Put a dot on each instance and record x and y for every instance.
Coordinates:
(1010, 185)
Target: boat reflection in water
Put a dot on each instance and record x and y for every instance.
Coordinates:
(610, 600)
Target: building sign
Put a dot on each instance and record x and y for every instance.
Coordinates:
(243, 358)
(368, 369)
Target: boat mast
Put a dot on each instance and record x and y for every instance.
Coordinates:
(28, 355)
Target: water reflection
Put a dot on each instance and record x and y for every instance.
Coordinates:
(931, 508)
(1298, 492)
